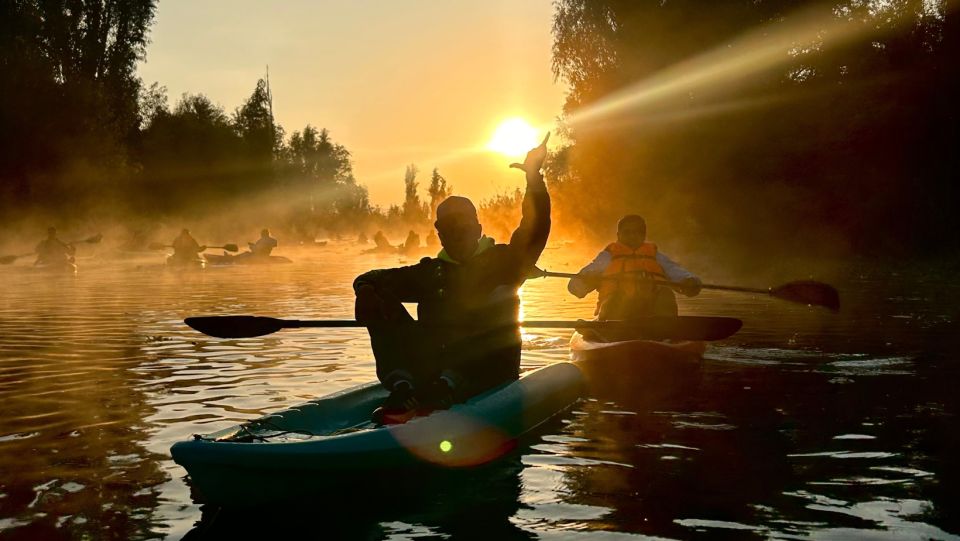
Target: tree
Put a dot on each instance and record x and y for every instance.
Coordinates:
(835, 136)
(438, 190)
(69, 107)
(414, 212)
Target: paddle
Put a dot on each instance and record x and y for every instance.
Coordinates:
(655, 328)
(161, 246)
(8, 259)
(807, 292)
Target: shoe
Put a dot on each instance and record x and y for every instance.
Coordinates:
(399, 407)
(441, 395)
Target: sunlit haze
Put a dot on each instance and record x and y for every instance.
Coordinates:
(396, 83)
(513, 137)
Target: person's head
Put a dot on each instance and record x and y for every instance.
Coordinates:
(52, 232)
(185, 232)
(458, 227)
(265, 233)
(632, 230)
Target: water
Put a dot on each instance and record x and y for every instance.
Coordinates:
(804, 425)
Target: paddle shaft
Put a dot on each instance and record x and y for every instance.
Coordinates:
(530, 324)
(550, 274)
(8, 259)
(685, 327)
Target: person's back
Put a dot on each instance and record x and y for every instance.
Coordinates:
(185, 247)
(264, 245)
(53, 251)
(626, 272)
(380, 240)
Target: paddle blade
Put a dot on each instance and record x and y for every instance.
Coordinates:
(235, 326)
(230, 247)
(809, 292)
(94, 239)
(7, 259)
(668, 328)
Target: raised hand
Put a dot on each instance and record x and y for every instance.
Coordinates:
(535, 158)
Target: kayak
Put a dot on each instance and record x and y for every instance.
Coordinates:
(330, 443)
(671, 351)
(244, 259)
(180, 263)
(66, 267)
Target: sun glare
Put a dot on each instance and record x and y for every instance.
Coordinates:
(513, 137)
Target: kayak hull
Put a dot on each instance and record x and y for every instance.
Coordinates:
(676, 351)
(67, 267)
(325, 443)
(186, 264)
(243, 259)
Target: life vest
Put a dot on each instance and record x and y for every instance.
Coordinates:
(631, 273)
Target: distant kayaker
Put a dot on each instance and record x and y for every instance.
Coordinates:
(412, 244)
(53, 251)
(467, 337)
(624, 274)
(185, 247)
(264, 245)
(380, 240)
(432, 240)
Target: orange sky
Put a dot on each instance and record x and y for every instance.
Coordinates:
(395, 82)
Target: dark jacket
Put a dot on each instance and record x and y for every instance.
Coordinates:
(474, 303)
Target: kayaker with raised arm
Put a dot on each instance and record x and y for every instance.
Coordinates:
(467, 336)
(624, 274)
(52, 251)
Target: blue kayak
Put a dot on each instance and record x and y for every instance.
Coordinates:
(327, 442)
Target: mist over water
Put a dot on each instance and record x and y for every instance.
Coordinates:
(803, 425)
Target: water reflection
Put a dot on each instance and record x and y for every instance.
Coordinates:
(804, 425)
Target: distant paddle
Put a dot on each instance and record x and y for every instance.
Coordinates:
(655, 328)
(807, 292)
(8, 259)
(161, 246)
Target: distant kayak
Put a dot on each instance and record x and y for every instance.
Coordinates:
(246, 259)
(185, 263)
(328, 442)
(66, 267)
(593, 349)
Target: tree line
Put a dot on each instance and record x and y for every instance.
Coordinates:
(840, 140)
(85, 138)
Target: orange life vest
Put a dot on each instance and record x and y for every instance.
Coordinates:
(631, 273)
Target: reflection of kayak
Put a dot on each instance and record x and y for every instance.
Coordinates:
(329, 442)
(680, 351)
(246, 259)
(181, 263)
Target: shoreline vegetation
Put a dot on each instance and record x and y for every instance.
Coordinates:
(836, 150)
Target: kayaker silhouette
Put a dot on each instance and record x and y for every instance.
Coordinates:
(263, 246)
(624, 273)
(467, 337)
(186, 249)
(52, 251)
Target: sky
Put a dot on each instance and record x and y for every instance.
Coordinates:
(418, 81)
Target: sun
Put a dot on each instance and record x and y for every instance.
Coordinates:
(513, 137)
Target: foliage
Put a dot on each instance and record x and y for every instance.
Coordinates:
(829, 145)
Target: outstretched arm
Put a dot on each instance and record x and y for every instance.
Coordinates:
(531, 235)
(589, 276)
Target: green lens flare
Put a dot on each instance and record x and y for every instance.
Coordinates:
(446, 446)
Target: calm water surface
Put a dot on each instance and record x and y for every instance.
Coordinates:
(806, 425)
